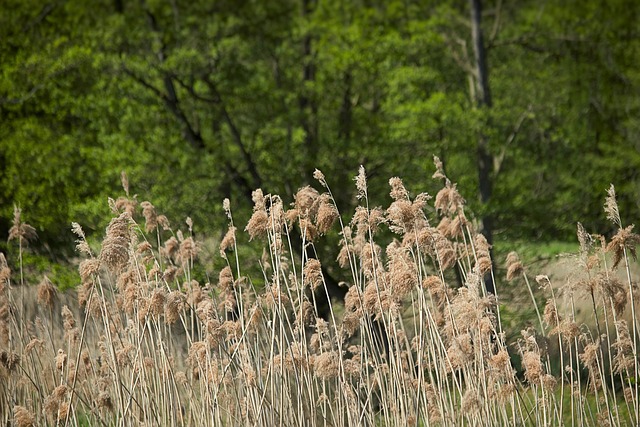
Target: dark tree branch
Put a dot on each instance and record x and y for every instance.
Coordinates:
(499, 159)
(237, 136)
(484, 158)
(170, 97)
(308, 106)
(189, 87)
(346, 115)
(32, 92)
(46, 11)
(26, 97)
(483, 96)
(193, 137)
(460, 58)
(496, 24)
(239, 180)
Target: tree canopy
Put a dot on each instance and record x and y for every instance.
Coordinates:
(201, 100)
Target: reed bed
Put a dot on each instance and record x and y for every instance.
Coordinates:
(417, 340)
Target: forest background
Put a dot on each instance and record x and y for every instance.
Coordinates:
(199, 101)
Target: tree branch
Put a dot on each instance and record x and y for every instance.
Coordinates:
(499, 159)
(237, 136)
(460, 58)
(496, 25)
(171, 101)
(170, 98)
(46, 11)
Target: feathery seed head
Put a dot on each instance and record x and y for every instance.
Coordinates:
(549, 382)
(433, 283)
(258, 224)
(174, 305)
(225, 279)
(226, 206)
(313, 273)
(188, 250)
(623, 361)
(9, 360)
(68, 320)
(277, 215)
(115, 247)
(551, 316)
(308, 230)
(361, 183)
(456, 227)
(543, 281)
(123, 204)
(157, 301)
(124, 180)
(23, 417)
(483, 254)
(439, 173)
(81, 243)
(327, 214)
(403, 216)
(346, 250)
(259, 202)
(614, 290)
(21, 230)
(144, 247)
(305, 201)
(532, 367)
(514, 267)
(448, 201)
(585, 240)
(569, 330)
(471, 401)
(305, 315)
(501, 361)
(444, 225)
(104, 401)
(163, 222)
(319, 176)
(170, 273)
(229, 241)
(445, 252)
(47, 292)
(170, 247)
(398, 192)
(5, 272)
(35, 343)
(326, 365)
(611, 207)
(150, 216)
(60, 359)
(624, 240)
(589, 355)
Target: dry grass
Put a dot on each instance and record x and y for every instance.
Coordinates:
(146, 344)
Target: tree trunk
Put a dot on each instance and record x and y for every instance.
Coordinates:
(482, 100)
(307, 102)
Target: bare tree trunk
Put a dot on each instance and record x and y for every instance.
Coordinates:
(483, 100)
(307, 101)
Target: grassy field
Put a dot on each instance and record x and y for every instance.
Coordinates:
(416, 341)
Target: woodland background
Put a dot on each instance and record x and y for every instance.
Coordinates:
(202, 100)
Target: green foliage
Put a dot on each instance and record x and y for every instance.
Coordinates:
(198, 102)
(64, 275)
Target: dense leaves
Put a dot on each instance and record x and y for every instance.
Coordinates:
(198, 101)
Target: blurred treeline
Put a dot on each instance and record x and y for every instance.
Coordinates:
(202, 100)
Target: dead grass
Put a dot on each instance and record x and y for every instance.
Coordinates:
(144, 343)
